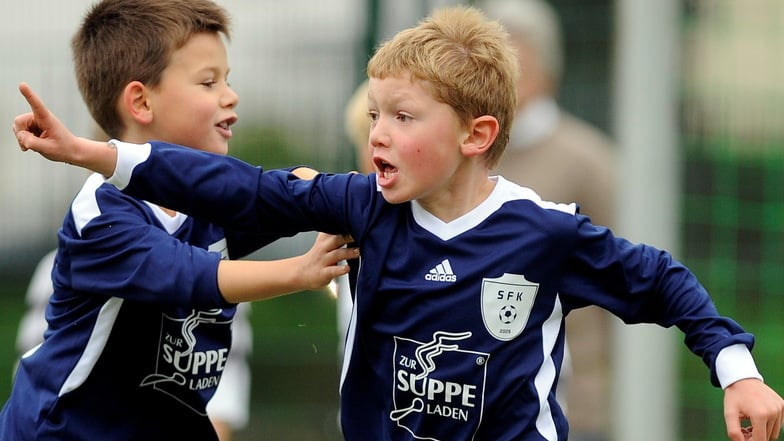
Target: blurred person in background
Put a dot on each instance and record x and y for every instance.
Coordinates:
(564, 159)
(33, 322)
(357, 126)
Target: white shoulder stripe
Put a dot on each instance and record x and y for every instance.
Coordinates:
(545, 378)
(84, 207)
(517, 192)
(92, 351)
(128, 157)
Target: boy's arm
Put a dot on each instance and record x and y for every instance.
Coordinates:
(641, 284)
(246, 280)
(285, 209)
(41, 131)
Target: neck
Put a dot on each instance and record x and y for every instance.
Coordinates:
(462, 196)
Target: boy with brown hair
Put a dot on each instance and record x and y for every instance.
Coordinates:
(139, 324)
(465, 279)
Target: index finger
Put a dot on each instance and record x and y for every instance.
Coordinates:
(36, 104)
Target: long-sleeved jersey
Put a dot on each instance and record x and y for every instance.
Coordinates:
(458, 328)
(138, 333)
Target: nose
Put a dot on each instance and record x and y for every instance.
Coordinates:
(378, 134)
(230, 98)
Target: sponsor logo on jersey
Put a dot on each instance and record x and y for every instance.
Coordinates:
(437, 381)
(189, 367)
(506, 304)
(441, 273)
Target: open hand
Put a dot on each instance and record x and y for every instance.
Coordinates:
(323, 262)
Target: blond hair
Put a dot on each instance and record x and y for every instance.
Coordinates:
(466, 61)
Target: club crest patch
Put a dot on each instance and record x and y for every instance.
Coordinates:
(506, 304)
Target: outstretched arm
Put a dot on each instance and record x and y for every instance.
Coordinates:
(247, 280)
(41, 131)
(753, 401)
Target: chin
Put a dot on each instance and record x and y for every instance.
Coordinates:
(393, 198)
(218, 148)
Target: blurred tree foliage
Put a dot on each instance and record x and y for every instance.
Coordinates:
(267, 146)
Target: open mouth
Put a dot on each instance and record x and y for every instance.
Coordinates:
(225, 126)
(384, 168)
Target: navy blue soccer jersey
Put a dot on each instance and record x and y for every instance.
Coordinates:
(458, 328)
(138, 333)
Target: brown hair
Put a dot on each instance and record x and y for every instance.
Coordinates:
(121, 41)
(466, 61)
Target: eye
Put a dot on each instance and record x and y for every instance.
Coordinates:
(208, 83)
(402, 117)
(373, 115)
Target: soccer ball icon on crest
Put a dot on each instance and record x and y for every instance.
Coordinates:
(507, 314)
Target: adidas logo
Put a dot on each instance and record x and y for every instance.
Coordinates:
(441, 273)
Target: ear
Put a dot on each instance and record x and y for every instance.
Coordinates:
(135, 102)
(481, 134)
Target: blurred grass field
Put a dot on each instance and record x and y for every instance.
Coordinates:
(12, 289)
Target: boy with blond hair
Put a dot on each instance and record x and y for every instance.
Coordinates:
(139, 324)
(457, 332)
